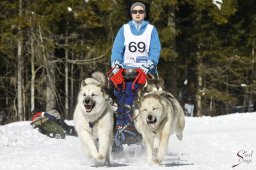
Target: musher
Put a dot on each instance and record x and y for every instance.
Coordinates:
(136, 45)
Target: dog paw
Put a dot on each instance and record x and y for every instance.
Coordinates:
(157, 161)
(179, 136)
(100, 157)
(107, 163)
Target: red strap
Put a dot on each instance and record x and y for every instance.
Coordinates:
(140, 79)
(116, 78)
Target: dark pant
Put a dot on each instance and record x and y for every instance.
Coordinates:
(125, 97)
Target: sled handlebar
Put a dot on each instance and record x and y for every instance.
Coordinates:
(136, 75)
(130, 72)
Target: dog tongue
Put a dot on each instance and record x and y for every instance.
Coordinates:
(152, 125)
(88, 107)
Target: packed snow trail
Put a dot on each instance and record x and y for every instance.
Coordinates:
(209, 143)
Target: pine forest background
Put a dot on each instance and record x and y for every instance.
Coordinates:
(47, 47)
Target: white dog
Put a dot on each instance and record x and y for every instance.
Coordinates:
(93, 119)
(160, 115)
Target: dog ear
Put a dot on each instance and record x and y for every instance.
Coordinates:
(161, 81)
(151, 76)
(139, 93)
(138, 102)
(83, 83)
(102, 87)
(140, 98)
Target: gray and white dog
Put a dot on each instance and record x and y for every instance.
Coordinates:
(93, 119)
(159, 115)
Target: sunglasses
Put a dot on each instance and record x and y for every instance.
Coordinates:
(138, 11)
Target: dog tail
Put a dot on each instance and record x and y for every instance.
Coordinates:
(178, 114)
(99, 76)
(180, 122)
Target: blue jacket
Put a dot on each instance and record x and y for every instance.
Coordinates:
(118, 47)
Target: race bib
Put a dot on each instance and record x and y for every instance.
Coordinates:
(136, 46)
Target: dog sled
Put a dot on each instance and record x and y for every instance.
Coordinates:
(125, 132)
(50, 124)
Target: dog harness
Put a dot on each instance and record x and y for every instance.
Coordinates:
(91, 124)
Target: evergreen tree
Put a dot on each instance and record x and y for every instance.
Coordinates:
(47, 47)
(201, 45)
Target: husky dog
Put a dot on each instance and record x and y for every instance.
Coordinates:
(159, 116)
(93, 119)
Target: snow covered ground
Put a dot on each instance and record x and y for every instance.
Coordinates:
(215, 143)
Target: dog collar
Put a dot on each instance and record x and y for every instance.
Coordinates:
(91, 124)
